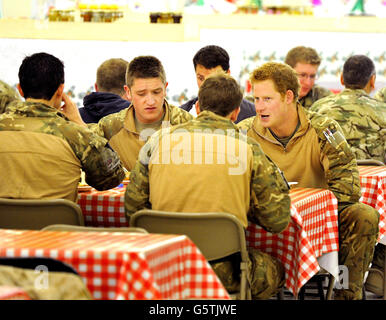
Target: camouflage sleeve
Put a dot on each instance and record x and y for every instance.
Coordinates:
(101, 165)
(270, 201)
(5, 99)
(109, 125)
(339, 162)
(137, 191)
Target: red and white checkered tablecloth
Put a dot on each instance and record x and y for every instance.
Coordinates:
(103, 208)
(117, 265)
(313, 231)
(373, 183)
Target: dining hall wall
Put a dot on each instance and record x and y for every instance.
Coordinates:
(247, 49)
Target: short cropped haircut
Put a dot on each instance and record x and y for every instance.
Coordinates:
(302, 55)
(144, 67)
(357, 71)
(40, 75)
(219, 93)
(111, 76)
(211, 57)
(283, 76)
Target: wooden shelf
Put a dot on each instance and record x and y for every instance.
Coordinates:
(138, 27)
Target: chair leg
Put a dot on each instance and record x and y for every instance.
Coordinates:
(331, 282)
(320, 287)
(301, 293)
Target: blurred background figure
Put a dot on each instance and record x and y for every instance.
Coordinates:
(109, 96)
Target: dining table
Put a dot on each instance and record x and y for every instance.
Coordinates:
(373, 184)
(123, 265)
(310, 240)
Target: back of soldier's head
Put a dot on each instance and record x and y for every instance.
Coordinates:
(282, 75)
(357, 71)
(219, 93)
(40, 75)
(144, 67)
(211, 57)
(111, 75)
(302, 54)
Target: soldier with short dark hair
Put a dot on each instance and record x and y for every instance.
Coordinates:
(363, 121)
(129, 129)
(45, 144)
(215, 168)
(207, 60)
(362, 118)
(311, 149)
(109, 96)
(306, 61)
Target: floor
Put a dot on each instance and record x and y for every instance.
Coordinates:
(311, 293)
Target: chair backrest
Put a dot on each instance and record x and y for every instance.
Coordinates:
(67, 227)
(370, 162)
(36, 214)
(217, 235)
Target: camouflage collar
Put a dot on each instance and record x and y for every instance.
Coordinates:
(209, 115)
(33, 109)
(266, 134)
(358, 92)
(129, 122)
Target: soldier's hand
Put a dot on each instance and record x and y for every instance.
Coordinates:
(70, 110)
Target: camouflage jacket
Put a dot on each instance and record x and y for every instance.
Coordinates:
(381, 95)
(7, 94)
(362, 119)
(313, 95)
(195, 185)
(309, 158)
(119, 129)
(101, 165)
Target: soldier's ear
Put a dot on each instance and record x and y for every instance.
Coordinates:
(20, 90)
(197, 106)
(127, 90)
(235, 114)
(341, 79)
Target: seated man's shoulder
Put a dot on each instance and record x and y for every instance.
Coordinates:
(246, 124)
(178, 115)
(320, 122)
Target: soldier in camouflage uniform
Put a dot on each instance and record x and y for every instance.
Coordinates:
(381, 95)
(360, 116)
(306, 61)
(44, 148)
(129, 129)
(215, 178)
(363, 121)
(7, 94)
(310, 149)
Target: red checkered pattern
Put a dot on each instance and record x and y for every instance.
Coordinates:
(103, 208)
(313, 231)
(373, 183)
(117, 265)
